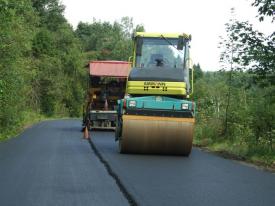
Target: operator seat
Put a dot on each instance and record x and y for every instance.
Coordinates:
(156, 60)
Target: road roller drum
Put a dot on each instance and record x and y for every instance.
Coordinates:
(156, 135)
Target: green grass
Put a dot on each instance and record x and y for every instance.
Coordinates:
(240, 147)
(29, 119)
(207, 136)
(232, 148)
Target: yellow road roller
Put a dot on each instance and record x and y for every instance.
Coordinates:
(156, 115)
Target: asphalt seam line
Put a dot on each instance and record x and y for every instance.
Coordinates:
(122, 188)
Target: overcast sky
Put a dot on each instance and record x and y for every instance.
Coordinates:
(203, 19)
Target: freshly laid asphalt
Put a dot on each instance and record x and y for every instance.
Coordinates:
(50, 164)
(201, 179)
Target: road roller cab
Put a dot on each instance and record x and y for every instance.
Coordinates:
(156, 115)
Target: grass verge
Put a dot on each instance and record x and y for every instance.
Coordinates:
(239, 152)
(29, 119)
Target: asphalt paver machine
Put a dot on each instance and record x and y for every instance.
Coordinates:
(106, 85)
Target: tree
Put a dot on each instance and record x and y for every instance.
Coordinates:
(254, 51)
(58, 62)
(265, 8)
(103, 40)
(16, 31)
(50, 13)
(248, 50)
(198, 73)
(229, 56)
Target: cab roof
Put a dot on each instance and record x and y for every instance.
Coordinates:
(166, 35)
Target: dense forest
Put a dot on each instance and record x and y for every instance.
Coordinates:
(43, 75)
(236, 105)
(42, 60)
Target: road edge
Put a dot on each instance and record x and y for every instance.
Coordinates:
(240, 159)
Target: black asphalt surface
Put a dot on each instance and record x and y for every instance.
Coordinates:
(51, 165)
(201, 179)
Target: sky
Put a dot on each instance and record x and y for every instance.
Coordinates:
(203, 19)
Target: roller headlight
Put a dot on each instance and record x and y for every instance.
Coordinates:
(184, 106)
(132, 103)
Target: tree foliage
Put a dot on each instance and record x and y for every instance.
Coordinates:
(42, 58)
(40, 62)
(265, 8)
(58, 61)
(16, 32)
(103, 40)
(198, 73)
(237, 104)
